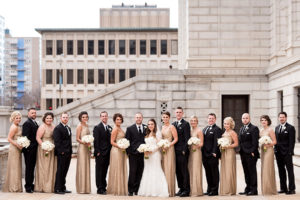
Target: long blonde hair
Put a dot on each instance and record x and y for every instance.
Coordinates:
(14, 115)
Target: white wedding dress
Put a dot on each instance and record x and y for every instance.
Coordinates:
(153, 181)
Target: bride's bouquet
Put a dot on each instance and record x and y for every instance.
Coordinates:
(23, 141)
(88, 139)
(123, 144)
(143, 148)
(47, 146)
(223, 142)
(193, 141)
(163, 144)
(264, 140)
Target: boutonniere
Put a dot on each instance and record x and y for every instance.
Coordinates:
(145, 127)
(210, 127)
(110, 129)
(246, 128)
(38, 123)
(283, 128)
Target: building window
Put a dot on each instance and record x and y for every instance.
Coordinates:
(121, 75)
(80, 76)
(59, 76)
(69, 101)
(70, 47)
(122, 47)
(49, 46)
(152, 47)
(80, 46)
(90, 47)
(101, 47)
(101, 76)
(174, 47)
(48, 76)
(132, 47)
(70, 76)
(132, 73)
(111, 50)
(90, 76)
(59, 47)
(163, 47)
(111, 76)
(59, 104)
(143, 47)
(49, 105)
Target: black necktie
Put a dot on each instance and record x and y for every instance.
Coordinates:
(140, 131)
(206, 130)
(244, 128)
(280, 129)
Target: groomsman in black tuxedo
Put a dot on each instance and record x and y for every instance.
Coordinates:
(63, 150)
(102, 147)
(248, 140)
(182, 153)
(29, 130)
(136, 136)
(211, 154)
(284, 151)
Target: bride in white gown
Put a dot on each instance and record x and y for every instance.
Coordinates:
(153, 181)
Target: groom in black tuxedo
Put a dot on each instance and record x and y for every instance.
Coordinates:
(248, 140)
(284, 151)
(29, 130)
(182, 153)
(102, 147)
(136, 136)
(63, 150)
(211, 154)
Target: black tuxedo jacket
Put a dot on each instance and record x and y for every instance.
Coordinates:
(102, 143)
(184, 134)
(29, 130)
(285, 140)
(248, 140)
(210, 144)
(135, 138)
(62, 140)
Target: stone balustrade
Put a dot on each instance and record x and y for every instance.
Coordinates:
(3, 163)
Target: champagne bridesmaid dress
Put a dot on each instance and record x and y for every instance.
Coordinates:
(228, 169)
(45, 166)
(83, 174)
(268, 182)
(168, 161)
(13, 178)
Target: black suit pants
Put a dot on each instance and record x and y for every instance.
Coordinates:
(102, 163)
(211, 166)
(285, 163)
(136, 168)
(30, 161)
(63, 163)
(182, 172)
(249, 167)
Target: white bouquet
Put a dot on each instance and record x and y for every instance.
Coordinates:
(163, 144)
(88, 139)
(223, 142)
(194, 141)
(144, 148)
(47, 146)
(23, 141)
(265, 140)
(123, 144)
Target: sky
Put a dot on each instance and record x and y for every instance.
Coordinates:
(23, 16)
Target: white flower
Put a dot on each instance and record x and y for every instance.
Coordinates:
(264, 140)
(163, 143)
(23, 141)
(110, 129)
(47, 146)
(143, 148)
(193, 140)
(123, 143)
(145, 127)
(223, 142)
(87, 139)
(283, 128)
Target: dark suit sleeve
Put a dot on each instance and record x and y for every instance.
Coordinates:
(58, 140)
(187, 135)
(216, 137)
(96, 136)
(292, 135)
(26, 129)
(254, 136)
(128, 137)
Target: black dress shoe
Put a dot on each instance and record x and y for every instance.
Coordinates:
(59, 192)
(291, 192)
(29, 191)
(206, 193)
(130, 194)
(178, 193)
(101, 192)
(251, 193)
(67, 191)
(136, 193)
(184, 194)
(282, 191)
(213, 194)
(243, 193)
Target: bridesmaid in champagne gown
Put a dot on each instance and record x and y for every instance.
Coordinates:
(13, 178)
(45, 164)
(169, 133)
(195, 160)
(228, 160)
(268, 182)
(118, 174)
(83, 175)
